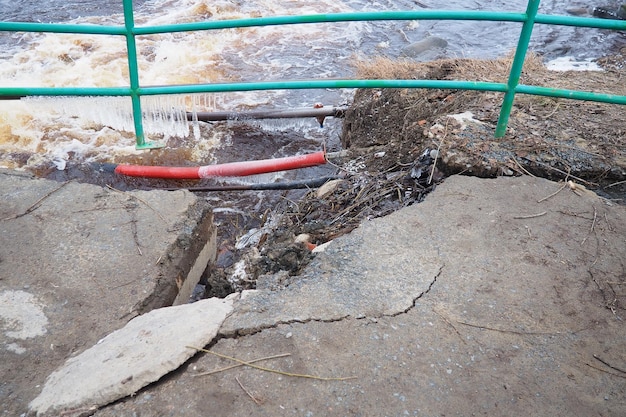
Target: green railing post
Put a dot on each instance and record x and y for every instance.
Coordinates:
(516, 67)
(133, 74)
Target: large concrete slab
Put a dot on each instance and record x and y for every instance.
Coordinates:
(368, 273)
(130, 358)
(511, 312)
(78, 261)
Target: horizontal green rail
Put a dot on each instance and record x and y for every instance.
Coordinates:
(312, 84)
(315, 18)
(528, 19)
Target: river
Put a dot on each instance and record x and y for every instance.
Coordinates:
(36, 132)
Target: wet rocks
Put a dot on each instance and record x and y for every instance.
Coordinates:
(425, 49)
(609, 12)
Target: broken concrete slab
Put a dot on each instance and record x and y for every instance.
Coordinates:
(130, 358)
(78, 261)
(368, 272)
(512, 325)
(371, 273)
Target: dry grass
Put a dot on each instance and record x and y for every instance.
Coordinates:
(492, 70)
(385, 68)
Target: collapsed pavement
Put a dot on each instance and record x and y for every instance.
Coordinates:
(500, 296)
(79, 261)
(492, 296)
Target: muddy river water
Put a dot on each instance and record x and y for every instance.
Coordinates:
(52, 131)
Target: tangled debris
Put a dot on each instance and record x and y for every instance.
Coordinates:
(399, 143)
(339, 209)
(285, 240)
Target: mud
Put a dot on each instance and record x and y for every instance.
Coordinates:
(546, 136)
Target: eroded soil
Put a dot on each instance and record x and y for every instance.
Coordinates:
(399, 143)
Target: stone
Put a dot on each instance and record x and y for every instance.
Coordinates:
(123, 362)
(429, 44)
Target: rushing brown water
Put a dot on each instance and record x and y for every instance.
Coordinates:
(61, 134)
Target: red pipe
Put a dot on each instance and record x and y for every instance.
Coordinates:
(233, 169)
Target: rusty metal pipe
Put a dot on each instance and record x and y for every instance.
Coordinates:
(269, 114)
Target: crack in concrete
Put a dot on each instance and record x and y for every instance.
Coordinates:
(422, 294)
(251, 331)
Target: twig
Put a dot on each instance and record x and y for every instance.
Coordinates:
(504, 330)
(522, 168)
(282, 355)
(553, 111)
(275, 371)
(615, 183)
(608, 224)
(531, 216)
(604, 370)
(562, 172)
(578, 215)
(595, 217)
(139, 199)
(432, 171)
(35, 205)
(596, 357)
(256, 400)
(122, 285)
(553, 194)
(444, 318)
(593, 225)
(292, 202)
(133, 226)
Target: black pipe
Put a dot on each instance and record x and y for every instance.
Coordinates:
(287, 185)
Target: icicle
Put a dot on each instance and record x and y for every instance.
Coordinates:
(165, 114)
(279, 125)
(194, 118)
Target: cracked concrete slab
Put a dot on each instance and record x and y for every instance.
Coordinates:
(78, 261)
(511, 324)
(367, 273)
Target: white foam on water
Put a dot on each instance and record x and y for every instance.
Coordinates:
(105, 125)
(567, 63)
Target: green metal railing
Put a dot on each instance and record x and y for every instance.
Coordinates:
(528, 19)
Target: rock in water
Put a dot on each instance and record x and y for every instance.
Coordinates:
(577, 11)
(432, 43)
(604, 13)
(130, 358)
